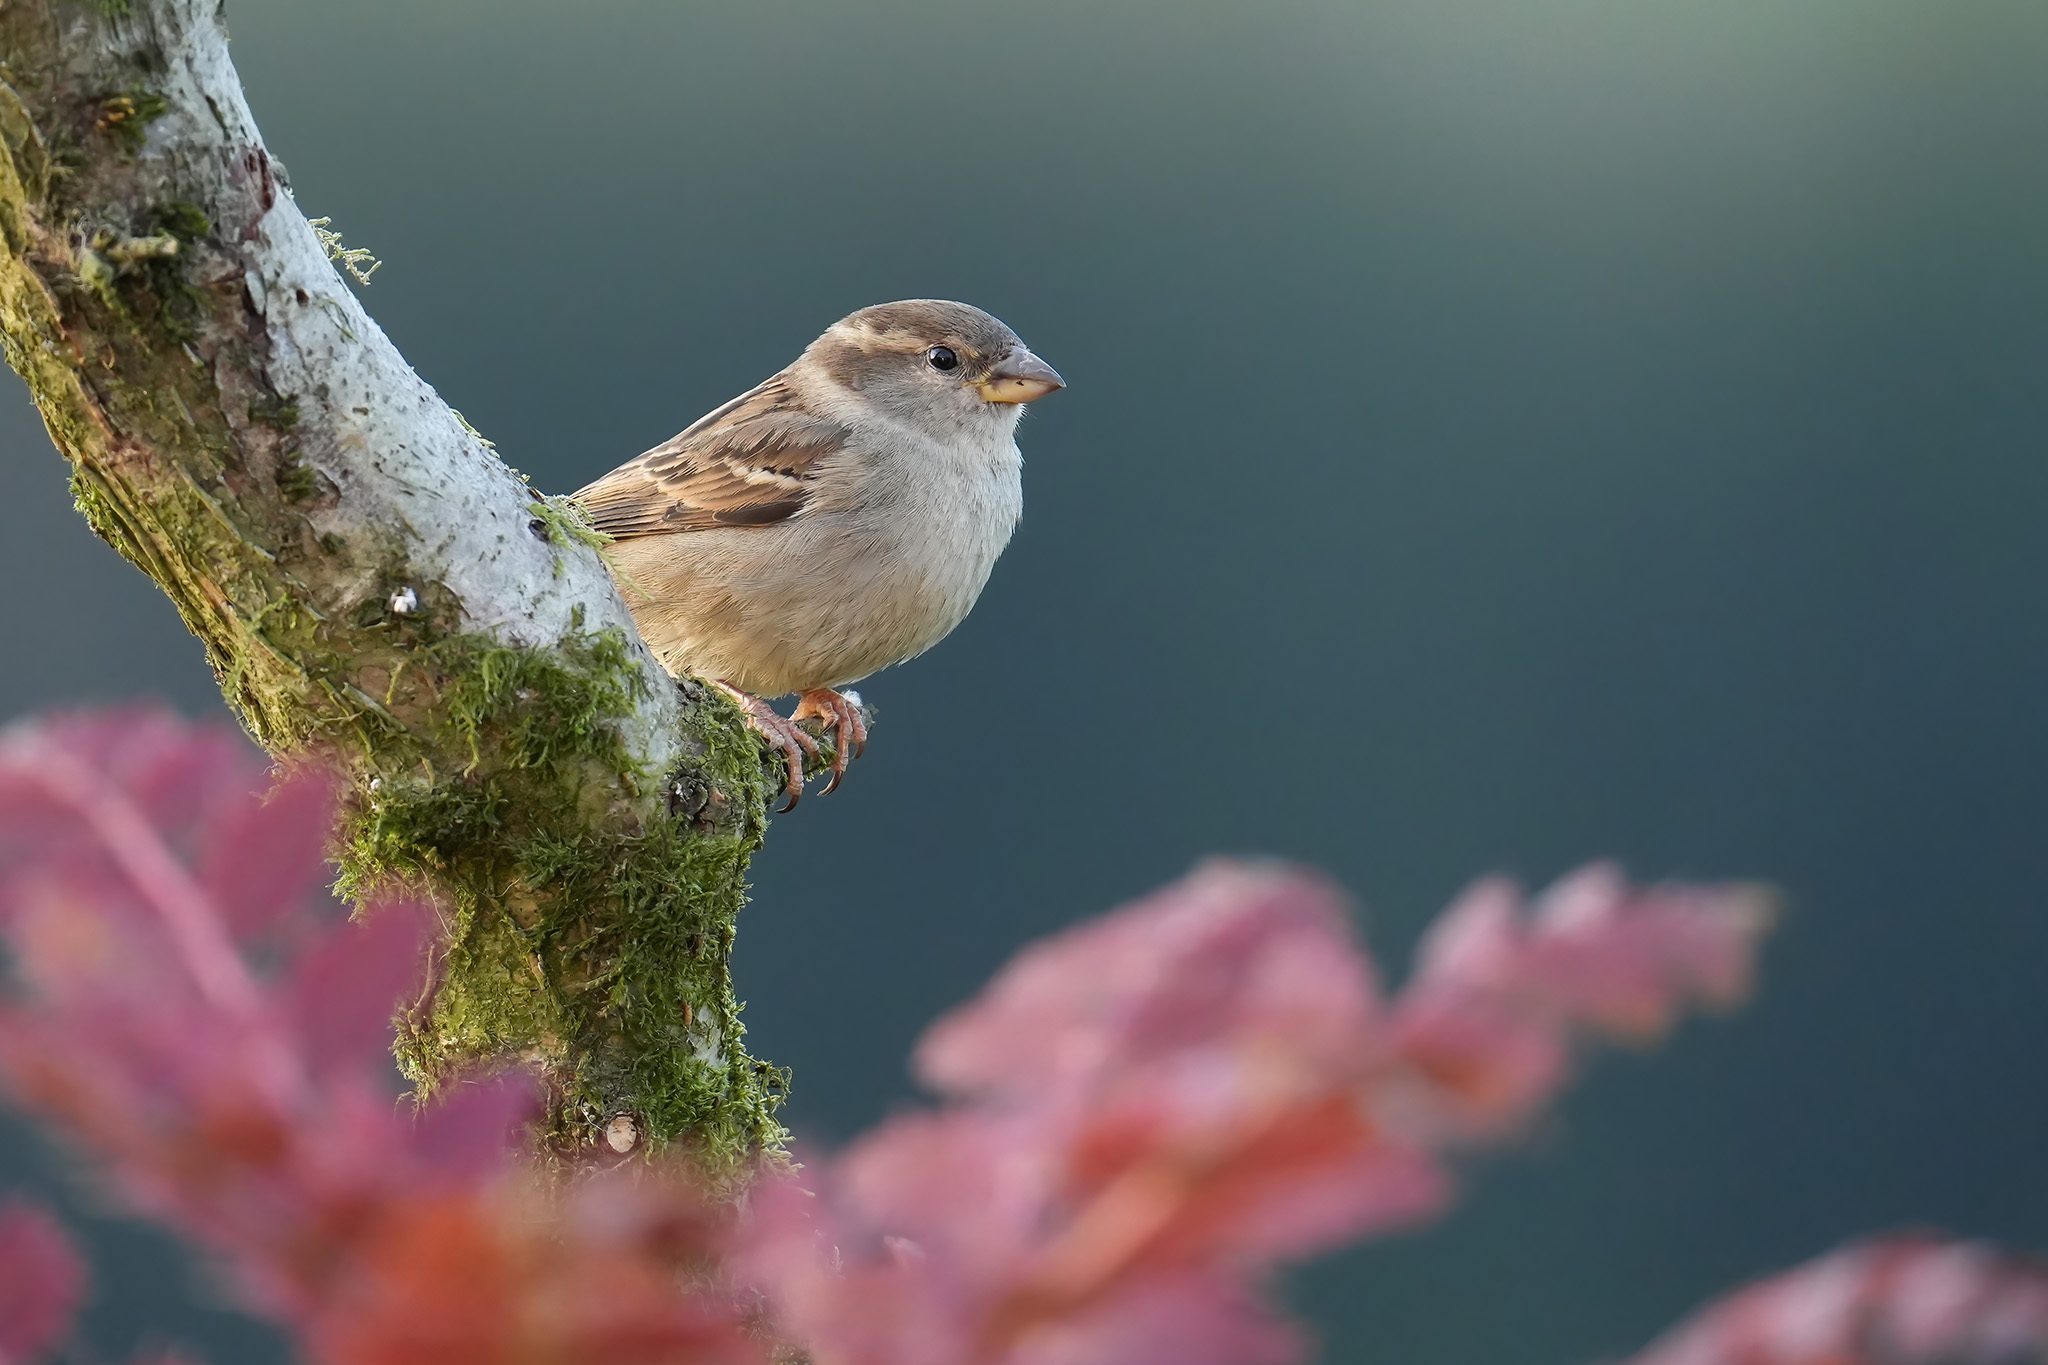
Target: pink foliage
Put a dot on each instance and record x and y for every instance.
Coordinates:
(1139, 1121)
(1902, 1301)
(1152, 1109)
(41, 1282)
(1502, 988)
(188, 1013)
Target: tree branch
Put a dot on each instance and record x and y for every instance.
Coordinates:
(374, 586)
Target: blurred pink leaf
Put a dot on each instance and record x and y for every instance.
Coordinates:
(41, 1283)
(1170, 1100)
(1248, 958)
(98, 792)
(177, 776)
(1503, 988)
(262, 858)
(1912, 1300)
(184, 1012)
(1596, 950)
(343, 987)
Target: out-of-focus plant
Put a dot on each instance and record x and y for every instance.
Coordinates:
(1137, 1122)
(187, 1014)
(1149, 1111)
(1906, 1300)
(41, 1280)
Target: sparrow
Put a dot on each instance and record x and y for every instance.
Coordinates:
(840, 516)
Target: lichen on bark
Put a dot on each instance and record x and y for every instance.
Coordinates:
(374, 587)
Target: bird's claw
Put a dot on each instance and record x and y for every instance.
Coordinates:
(841, 715)
(784, 735)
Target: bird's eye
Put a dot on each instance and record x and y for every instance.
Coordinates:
(942, 358)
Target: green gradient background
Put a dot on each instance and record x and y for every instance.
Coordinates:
(1502, 432)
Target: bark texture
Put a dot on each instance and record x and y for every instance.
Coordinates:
(374, 586)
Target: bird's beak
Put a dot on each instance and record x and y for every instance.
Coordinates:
(1020, 378)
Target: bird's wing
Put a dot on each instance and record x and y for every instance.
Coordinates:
(752, 462)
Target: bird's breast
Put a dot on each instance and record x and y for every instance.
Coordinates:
(915, 555)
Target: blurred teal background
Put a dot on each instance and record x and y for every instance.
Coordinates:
(1501, 432)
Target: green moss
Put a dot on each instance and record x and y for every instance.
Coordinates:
(131, 251)
(126, 116)
(486, 442)
(596, 945)
(96, 277)
(140, 282)
(299, 481)
(274, 411)
(357, 261)
(560, 522)
(186, 222)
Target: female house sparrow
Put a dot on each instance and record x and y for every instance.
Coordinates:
(837, 518)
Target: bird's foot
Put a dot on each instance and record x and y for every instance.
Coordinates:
(783, 734)
(841, 715)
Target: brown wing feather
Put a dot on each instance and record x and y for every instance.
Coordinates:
(749, 463)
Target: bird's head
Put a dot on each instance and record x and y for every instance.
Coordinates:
(941, 366)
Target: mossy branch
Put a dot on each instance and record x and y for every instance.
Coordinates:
(374, 587)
